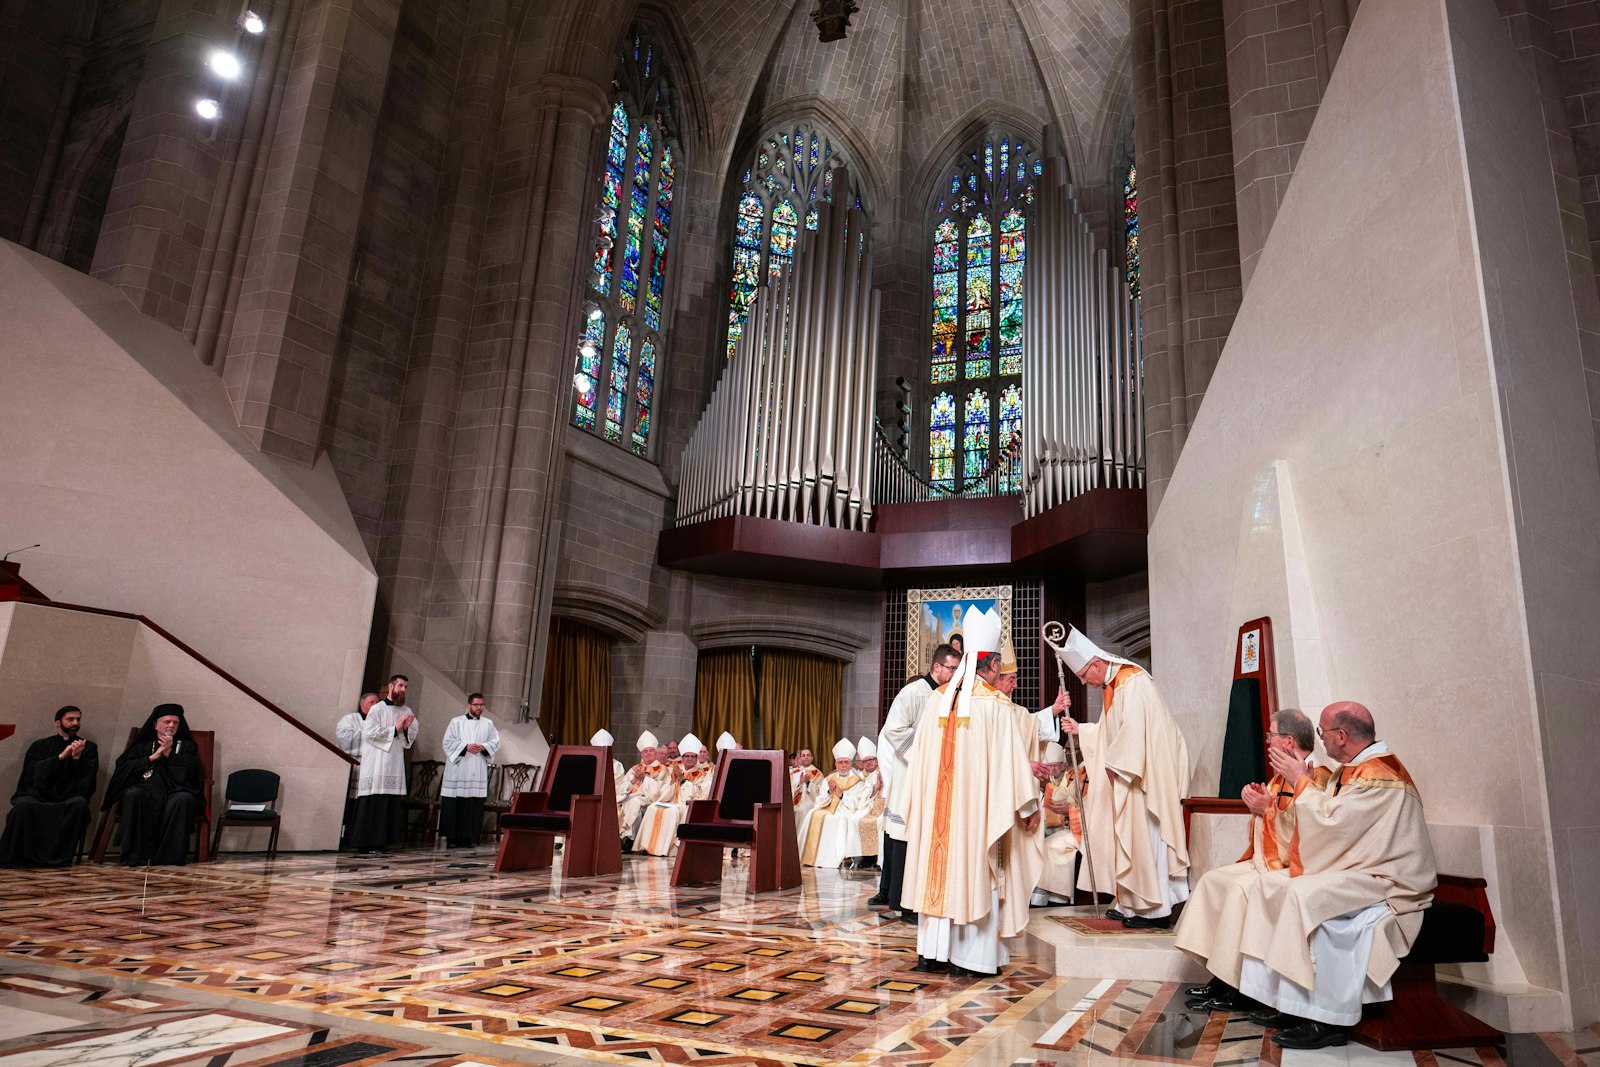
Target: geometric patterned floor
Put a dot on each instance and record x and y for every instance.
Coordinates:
(427, 958)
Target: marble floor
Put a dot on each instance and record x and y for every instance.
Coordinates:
(428, 958)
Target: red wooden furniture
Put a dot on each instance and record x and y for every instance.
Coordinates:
(1256, 635)
(750, 808)
(578, 801)
(1457, 928)
(204, 740)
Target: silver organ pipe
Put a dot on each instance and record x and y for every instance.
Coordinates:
(1082, 360)
(788, 432)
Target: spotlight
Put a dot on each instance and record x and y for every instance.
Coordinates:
(226, 65)
(580, 382)
(593, 311)
(252, 24)
(588, 349)
(207, 108)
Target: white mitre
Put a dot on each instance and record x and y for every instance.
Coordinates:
(844, 749)
(648, 740)
(981, 631)
(602, 738)
(691, 743)
(1079, 650)
(1054, 753)
(726, 742)
(866, 748)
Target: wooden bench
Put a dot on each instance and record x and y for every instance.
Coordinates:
(578, 801)
(1458, 927)
(204, 740)
(750, 808)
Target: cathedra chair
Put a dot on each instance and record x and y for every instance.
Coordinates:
(750, 808)
(203, 743)
(248, 797)
(577, 800)
(1458, 927)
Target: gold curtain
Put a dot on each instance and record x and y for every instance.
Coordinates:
(725, 697)
(577, 683)
(801, 697)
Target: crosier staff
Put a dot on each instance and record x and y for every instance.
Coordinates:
(1054, 634)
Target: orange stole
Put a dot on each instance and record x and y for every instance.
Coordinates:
(1380, 772)
(1269, 824)
(939, 850)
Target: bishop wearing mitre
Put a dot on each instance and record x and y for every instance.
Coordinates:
(647, 780)
(973, 856)
(1063, 824)
(1138, 776)
(691, 781)
(834, 787)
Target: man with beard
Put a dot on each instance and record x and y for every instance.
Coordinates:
(157, 781)
(50, 809)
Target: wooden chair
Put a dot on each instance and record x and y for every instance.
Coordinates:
(204, 740)
(421, 803)
(750, 808)
(250, 786)
(506, 780)
(1458, 927)
(577, 801)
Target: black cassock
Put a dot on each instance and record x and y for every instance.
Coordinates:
(160, 800)
(50, 809)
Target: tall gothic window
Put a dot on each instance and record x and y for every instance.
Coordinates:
(975, 370)
(621, 342)
(1130, 230)
(792, 172)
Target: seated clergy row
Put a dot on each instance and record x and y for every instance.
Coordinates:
(1313, 921)
(842, 810)
(157, 781)
(653, 796)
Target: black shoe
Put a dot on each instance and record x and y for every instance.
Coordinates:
(1312, 1034)
(1114, 915)
(908, 917)
(1273, 1019)
(1214, 988)
(1138, 922)
(926, 966)
(878, 901)
(1232, 1001)
(966, 972)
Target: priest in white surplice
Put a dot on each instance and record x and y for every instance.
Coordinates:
(894, 748)
(470, 742)
(348, 732)
(973, 855)
(390, 729)
(1212, 925)
(1327, 939)
(1138, 764)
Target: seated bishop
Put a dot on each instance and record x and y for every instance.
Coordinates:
(619, 773)
(830, 798)
(1326, 940)
(646, 782)
(1063, 828)
(1212, 927)
(849, 832)
(692, 778)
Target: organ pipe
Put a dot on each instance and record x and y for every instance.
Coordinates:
(789, 432)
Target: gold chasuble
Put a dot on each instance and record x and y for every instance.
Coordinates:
(1138, 775)
(1361, 841)
(1211, 929)
(969, 784)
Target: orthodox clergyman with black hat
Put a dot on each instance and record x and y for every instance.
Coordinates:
(157, 781)
(50, 809)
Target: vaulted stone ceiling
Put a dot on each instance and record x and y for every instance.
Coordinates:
(915, 77)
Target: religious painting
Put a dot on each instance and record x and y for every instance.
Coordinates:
(932, 615)
(1250, 652)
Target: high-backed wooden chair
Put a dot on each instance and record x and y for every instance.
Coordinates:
(421, 802)
(576, 800)
(204, 740)
(1458, 927)
(506, 780)
(750, 808)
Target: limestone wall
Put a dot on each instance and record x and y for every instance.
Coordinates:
(1393, 462)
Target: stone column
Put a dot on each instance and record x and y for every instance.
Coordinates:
(515, 580)
(284, 336)
(1189, 242)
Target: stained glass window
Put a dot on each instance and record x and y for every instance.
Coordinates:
(1130, 230)
(790, 176)
(1010, 443)
(625, 310)
(942, 442)
(980, 245)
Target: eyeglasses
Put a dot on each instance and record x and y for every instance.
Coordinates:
(1334, 730)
